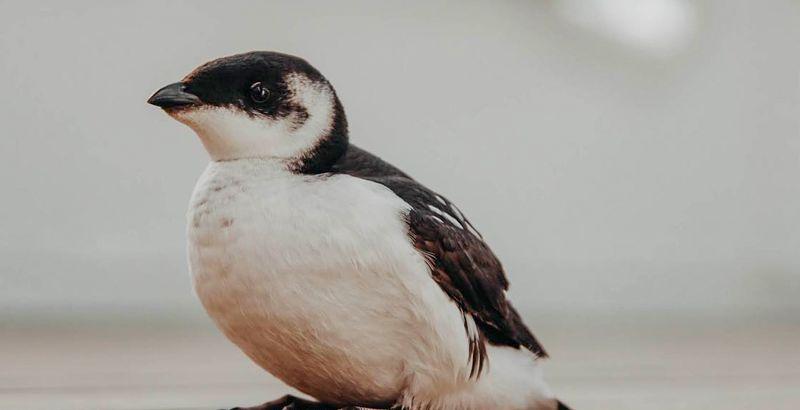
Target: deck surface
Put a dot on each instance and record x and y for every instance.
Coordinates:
(618, 364)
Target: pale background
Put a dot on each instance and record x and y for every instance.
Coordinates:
(635, 164)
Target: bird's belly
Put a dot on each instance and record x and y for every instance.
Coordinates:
(319, 285)
(333, 339)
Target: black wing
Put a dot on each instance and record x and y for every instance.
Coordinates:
(462, 264)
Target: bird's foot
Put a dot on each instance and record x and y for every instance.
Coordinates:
(289, 402)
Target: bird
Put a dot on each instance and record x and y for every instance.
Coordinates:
(330, 268)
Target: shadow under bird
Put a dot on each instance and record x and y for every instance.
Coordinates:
(333, 270)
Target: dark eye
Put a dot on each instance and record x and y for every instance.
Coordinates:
(258, 92)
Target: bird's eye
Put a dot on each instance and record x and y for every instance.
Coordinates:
(258, 92)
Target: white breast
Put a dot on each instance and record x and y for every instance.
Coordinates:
(314, 278)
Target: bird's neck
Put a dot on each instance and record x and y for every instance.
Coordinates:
(330, 147)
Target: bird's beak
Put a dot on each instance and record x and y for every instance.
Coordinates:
(173, 96)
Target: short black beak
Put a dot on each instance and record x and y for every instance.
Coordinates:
(172, 96)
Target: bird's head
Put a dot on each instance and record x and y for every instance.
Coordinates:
(260, 105)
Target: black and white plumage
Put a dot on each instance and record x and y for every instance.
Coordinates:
(461, 262)
(332, 269)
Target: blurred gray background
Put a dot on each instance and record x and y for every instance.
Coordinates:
(624, 158)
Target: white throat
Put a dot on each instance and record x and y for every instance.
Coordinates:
(229, 133)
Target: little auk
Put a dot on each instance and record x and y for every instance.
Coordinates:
(330, 268)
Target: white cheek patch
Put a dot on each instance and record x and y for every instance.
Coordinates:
(229, 133)
(318, 101)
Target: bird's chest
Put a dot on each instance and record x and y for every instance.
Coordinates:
(286, 235)
(296, 269)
